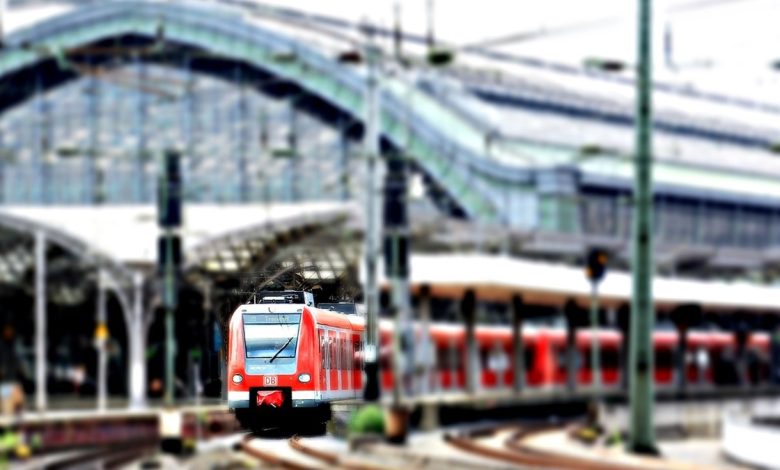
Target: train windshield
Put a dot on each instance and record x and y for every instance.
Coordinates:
(272, 336)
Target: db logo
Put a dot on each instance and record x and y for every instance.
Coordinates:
(270, 380)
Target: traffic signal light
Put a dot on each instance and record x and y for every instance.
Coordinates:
(596, 264)
(170, 191)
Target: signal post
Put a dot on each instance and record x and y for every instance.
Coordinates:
(169, 219)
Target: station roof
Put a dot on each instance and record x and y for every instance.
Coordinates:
(128, 234)
(495, 277)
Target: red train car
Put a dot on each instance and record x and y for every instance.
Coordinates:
(287, 358)
(709, 357)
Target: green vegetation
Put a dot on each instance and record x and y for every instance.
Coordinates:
(369, 419)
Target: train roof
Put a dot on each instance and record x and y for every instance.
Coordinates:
(337, 319)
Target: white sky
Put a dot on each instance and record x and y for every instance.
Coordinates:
(721, 45)
(718, 45)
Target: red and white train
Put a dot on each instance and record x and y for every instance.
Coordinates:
(289, 359)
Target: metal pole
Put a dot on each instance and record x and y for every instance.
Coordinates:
(139, 164)
(170, 340)
(137, 346)
(242, 140)
(469, 310)
(293, 173)
(93, 190)
(101, 334)
(373, 221)
(595, 353)
(426, 349)
(3, 12)
(396, 228)
(518, 350)
(39, 186)
(641, 437)
(40, 321)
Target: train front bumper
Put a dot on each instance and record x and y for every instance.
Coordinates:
(300, 399)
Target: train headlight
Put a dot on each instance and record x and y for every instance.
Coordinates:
(238, 378)
(304, 378)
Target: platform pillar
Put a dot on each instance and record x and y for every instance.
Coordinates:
(137, 346)
(623, 322)
(741, 337)
(40, 321)
(572, 313)
(101, 338)
(684, 317)
(427, 352)
(430, 417)
(774, 362)
(518, 350)
(471, 361)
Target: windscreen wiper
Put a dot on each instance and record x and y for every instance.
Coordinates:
(281, 349)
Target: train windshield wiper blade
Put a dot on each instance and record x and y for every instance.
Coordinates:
(281, 349)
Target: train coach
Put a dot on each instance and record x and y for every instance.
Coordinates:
(287, 360)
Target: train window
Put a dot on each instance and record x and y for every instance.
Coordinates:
(324, 349)
(664, 358)
(562, 353)
(442, 359)
(334, 364)
(497, 359)
(530, 357)
(271, 336)
(484, 357)
(456, 360)
(358, 355)
(610, 359)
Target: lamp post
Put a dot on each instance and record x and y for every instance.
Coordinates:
(373, 219)
(641, 437)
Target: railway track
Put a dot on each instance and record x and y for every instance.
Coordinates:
(508, 445)
(102, 458)
(302, 454)
(497, 447)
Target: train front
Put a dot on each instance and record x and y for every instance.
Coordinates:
(270, 372)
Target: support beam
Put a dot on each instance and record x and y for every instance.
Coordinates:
(682, 350)
(373, 221)
(624, 324)
(683, 317)
(3, 11)
(93, 184)
(572, 313)
(468, 310)
(774, 361)
(741, 337)
(344, 160)
(518, 350)
(101, 333)
(293, 165)
(38, 184)
(137, 345)
(427, 350)
(139, 164)
(244, 190)
(40, 321)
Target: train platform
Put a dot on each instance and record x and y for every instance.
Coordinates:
(680, 454)
(76, 415)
